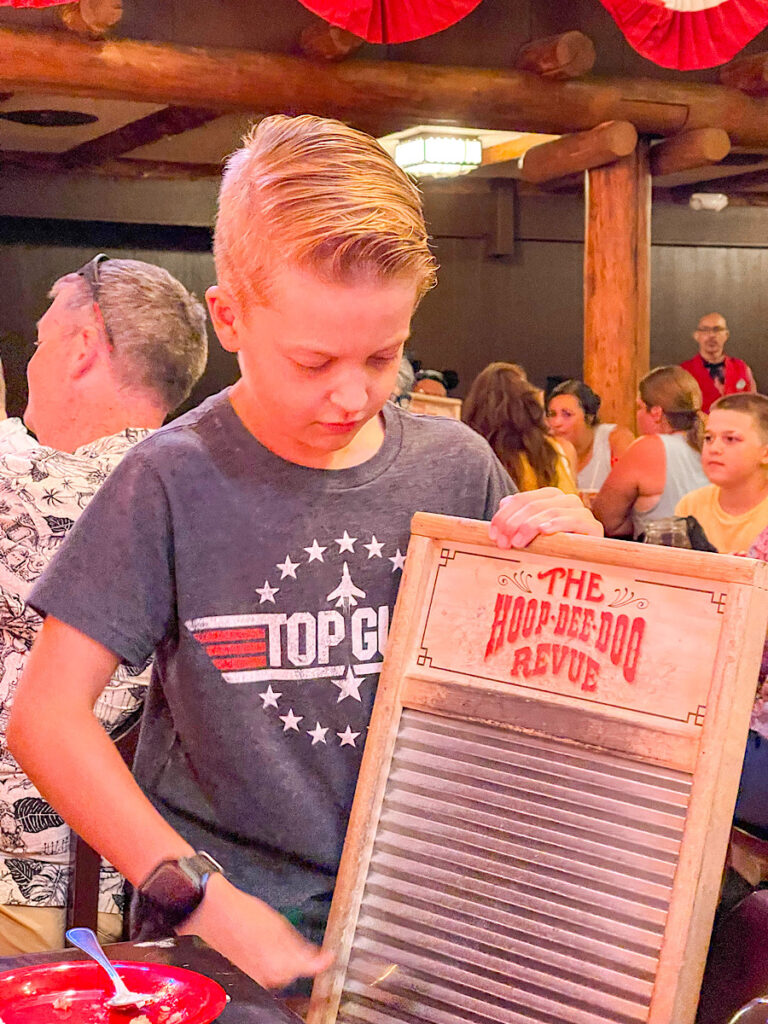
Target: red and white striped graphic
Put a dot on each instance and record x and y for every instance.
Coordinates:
(234, 649)
(689, 34)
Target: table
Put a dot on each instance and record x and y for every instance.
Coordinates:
(249, 1003)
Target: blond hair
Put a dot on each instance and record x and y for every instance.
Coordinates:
(677, 393)
(314, 193)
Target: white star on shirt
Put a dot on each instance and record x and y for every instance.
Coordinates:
(288, 568)
(346, 543)
(315, 552)
(398, 561)
(269, 698)
(318, 733)
(348, 737)
(349, 686)
(266, 593)
(291, 721)
(374, 548)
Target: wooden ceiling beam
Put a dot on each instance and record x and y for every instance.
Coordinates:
(734, 183)
(513, 149)
(162, 124)
(700, 147)
(125, 168)
(486, 98)
(558, 57)
(749, 74)
(581, 151)
(325, 42)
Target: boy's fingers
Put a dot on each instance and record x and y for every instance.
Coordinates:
(521, 517)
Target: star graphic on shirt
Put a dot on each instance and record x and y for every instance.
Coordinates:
(346, 543)
(291, 721)
(349, 686)
(288, 568)
(269, 698)
(315, 552)
(398, 561)
(318, 733)
(348, 737)
(374, 548)
(266, 593)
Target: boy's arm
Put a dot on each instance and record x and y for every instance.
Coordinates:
(79, 771)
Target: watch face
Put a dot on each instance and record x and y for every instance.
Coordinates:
(172, 889)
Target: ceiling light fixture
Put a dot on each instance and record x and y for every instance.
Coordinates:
(438, 155)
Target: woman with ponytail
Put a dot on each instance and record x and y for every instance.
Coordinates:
(507, 410)
(662, 465)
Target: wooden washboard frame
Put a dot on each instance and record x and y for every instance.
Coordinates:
(529, 848)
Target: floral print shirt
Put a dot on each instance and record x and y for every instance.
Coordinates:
(42, 492)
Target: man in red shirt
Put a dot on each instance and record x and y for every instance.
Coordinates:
(716, 373)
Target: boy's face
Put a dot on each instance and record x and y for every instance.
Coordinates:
(734, 451)
(319, 361)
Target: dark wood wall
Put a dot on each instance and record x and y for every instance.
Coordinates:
(524, 305)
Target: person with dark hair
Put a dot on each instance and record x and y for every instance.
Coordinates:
(507, 411)
(733, 508)
(716, 373)
(661, 466)
(436, 382)
(572, 414)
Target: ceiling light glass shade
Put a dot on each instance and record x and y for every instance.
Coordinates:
(438, 154)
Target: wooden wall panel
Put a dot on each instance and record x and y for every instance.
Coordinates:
(525, 308)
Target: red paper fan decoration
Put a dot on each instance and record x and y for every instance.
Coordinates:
(689, 34)
(392, 21)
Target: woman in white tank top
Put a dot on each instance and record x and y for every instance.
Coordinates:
(572, 414)
(659, 468)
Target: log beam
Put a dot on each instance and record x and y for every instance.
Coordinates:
(325, 42)
(700, 147)
(749, 74)
(356, 90)
(162, 124)
(515, 148)
(91, 17)
(568, 55)
(581, 151)
(617, 254)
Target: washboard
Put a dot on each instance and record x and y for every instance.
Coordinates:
(542, 815)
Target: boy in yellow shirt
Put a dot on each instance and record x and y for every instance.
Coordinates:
(733, 508)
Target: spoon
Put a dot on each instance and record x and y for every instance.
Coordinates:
(86, 940)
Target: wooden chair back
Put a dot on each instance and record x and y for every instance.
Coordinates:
(85, 862)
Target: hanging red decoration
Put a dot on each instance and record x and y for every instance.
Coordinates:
(33, 3)
(689, 34)
(391, 21)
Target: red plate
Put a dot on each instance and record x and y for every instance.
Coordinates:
(28, 995)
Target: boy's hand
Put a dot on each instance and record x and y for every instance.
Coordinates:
(253, 936)
(521, 517)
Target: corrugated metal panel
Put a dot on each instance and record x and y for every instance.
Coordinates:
(514, 879)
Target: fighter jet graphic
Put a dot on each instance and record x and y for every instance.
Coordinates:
(346, 593)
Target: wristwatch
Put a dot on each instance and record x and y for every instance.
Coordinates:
(175, 888)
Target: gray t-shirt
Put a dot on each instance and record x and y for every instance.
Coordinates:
(265, 589)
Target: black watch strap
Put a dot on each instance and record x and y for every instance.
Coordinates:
(170, 893)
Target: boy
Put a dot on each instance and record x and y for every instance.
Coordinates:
(733, 508)
(262, 563)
